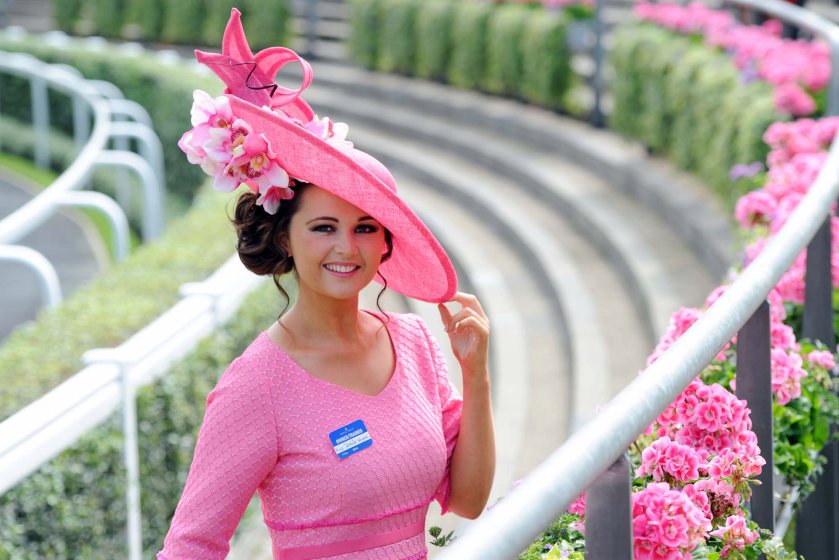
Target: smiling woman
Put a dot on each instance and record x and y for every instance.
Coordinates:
(343, 420)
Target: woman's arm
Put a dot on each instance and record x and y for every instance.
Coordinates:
(473, 460)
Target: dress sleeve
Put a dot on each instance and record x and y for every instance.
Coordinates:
(236, 449)
(451, 406)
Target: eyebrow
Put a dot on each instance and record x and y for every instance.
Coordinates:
(331, 219)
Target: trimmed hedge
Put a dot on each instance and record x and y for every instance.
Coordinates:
(143, 19)
(74, 506)
(512, 50)
(175, 21)
(434, 39)
(397, 36)
(365, 21)
(181, 22)
(687, 101)
(505, 32)
(65, 14)
(468, 61)
(546, 80)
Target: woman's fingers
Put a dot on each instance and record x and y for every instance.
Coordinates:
(468, 300)
(468, 317)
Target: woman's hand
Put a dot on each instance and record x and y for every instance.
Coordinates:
(473, 459)
(468, 331)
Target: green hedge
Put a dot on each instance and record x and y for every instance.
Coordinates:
(74, 506)
(687, 101)
(469, 29)
(505, 32)
(365, 22)
(546, 80)
(143, 19)
(176, 21)
(434, 39)
(40, 355)
(164, 90)
(181, 22)
(517, 51)
(397, 36)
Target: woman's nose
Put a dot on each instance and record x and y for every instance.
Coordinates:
(346, 244)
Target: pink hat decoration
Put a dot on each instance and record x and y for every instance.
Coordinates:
(266, 136)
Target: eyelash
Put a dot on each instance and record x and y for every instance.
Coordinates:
(327, 228)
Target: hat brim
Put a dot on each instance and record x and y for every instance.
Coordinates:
(419, 267)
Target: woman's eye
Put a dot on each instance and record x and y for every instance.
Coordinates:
(367, 229)
(322, 228)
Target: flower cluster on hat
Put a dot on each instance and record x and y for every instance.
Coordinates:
(234, 151)
(229, 150)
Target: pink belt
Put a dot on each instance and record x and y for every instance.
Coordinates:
(352, 545)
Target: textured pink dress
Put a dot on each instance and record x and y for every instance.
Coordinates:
(267, 429)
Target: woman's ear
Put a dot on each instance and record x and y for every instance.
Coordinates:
(284, 244)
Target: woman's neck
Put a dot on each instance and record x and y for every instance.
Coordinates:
(315, 320)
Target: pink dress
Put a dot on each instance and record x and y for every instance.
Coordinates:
(267, 429)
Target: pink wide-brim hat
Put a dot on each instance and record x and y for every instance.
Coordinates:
(419, 266)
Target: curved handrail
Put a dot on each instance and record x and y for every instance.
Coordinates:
(35, 212)
(103, 102)
(511, 525)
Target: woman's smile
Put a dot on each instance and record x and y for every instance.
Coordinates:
(342, 270)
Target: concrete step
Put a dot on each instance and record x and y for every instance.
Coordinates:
(575, 194)
(688, 207)
(67, 241)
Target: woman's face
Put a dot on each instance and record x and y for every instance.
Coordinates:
(337, 248)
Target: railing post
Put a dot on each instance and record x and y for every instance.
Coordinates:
(130, 447)
(597, 118)
(40, 120)
(817, 530)
(311, 27)
(754, 385)
(609, 513)
(833, 84)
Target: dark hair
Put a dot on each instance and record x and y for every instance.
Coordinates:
(261, 237)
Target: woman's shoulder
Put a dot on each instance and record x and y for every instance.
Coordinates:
(260, 360)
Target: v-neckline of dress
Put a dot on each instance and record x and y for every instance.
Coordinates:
(384, 319)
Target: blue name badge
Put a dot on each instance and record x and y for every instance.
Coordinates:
(350, 439)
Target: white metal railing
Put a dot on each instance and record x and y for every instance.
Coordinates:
(51, 424)
(510, 526)
(90, 102)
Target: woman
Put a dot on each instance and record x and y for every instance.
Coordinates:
(343, 420)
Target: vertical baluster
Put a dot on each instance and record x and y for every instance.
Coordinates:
(311, 27)
(609, 514)
(41, 120)
(754, 384)
(817, 530)
(597, 118)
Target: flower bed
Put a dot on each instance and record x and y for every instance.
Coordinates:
(695, 465)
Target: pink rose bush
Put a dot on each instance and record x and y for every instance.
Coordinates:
(229, 150)
(796, 69)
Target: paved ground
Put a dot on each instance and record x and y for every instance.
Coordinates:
(66, 241)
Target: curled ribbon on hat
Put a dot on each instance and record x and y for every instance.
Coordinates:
(251, 77)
